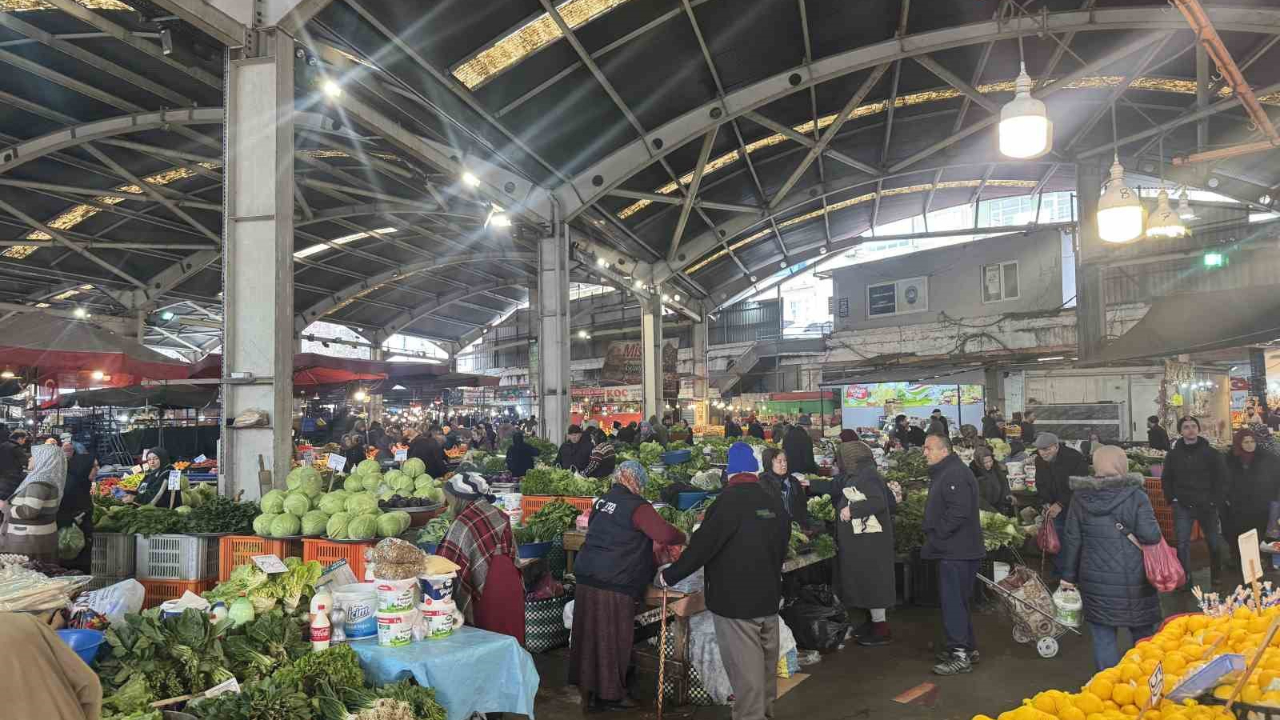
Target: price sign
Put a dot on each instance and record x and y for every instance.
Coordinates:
(1156, 684)
(200, 459)
(308, 457)
(270, 564)
(402, 455)
(175, 479)
(1250, 560)
(136, 469)
(230, 686)
(336, 462)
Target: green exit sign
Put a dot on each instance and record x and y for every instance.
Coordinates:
(1214, 259)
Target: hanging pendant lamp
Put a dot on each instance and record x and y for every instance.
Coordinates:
(1184, 206)
(1119, 210)
(1025, 129)
(1165, 222)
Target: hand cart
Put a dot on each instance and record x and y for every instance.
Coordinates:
(1028, 603)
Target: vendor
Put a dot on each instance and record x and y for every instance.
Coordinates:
(155, 486)
(575, 451)
(76, 507)
(31, 516)
(489, 591)
(613, 568)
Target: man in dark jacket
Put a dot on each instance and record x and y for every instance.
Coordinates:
(1056, 464)
(916, 435)
(429, 448)
(575, 452)
(742, 543)
(755, 429)
(953, 537)
(798, 445)
(13, 463)
(902, 432)
(731, 428)
(1157, 438)
(990, 424)
(1195, 484)
(521, 455)
(937, 417)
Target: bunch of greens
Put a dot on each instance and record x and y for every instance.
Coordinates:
(338, 665)
(266, 700)
(684, 520)
(264, 590)
(649, 453)
(264, 644)
(493, 464)
(719, 449)
(557, 481)
(658, 481)
(144, 520)
(551, 521)
(824, 545)
(820, 508)
(175, 656)
(547, 451)
(904, 467)
(682, 473)
(222, 515)
(434, 531)
(421, 701)
(999, 531)
(131, 700)
(908, 523)
(798, 542)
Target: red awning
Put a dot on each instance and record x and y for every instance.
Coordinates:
(310, 369)
(53, 344)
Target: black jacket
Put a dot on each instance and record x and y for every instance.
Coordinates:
(575, 456)
(617, 555)
(990, 429)
(1053, 479)
(1252, 488)
(993, 487)
(916, 435)
(1157, 438)
(13, 468)
(952, 528)
(428, 450)
(755, 430)
(742, 543)
(732, 430)
(1099, 558)
(1194, 475)
(798, 447)
(521, 457)
(797, 502)
(627, 435)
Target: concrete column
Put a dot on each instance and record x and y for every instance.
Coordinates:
(1091, 311)
(701, 333)
(140, 326)
(993, 388)
(257, 261)
(651, 345)
(553, 333)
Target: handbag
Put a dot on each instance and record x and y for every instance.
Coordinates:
(1160, 562)
(1047, 538)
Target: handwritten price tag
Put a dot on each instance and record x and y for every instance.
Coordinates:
(200, 459)
(230, 686)
(270, 564)
(402, 455)
(175, 479)
(336, 462)
(1156, 684)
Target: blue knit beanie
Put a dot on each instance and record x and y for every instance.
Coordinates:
(741, 459)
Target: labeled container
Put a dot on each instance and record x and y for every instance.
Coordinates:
(359, 602)
(1068, 606)
(395, 629)
(237, 550)
(396, 595)
(328, 552)
(440, 619)
(156, 592)
(437, 588)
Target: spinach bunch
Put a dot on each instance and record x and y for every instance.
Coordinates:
(265, 700)
(175, 656)
(339, 665)
(222, 515)
(551, 520)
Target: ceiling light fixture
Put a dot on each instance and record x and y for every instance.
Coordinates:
(1165, 223)
(331, 88)
(1119, 209)
(1184, 206)
(7, 375)
(1025, 129)
(359, 396)
(81, 313)
(98, 375)
(470, 179)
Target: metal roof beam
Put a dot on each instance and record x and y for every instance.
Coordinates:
(954, 81)
(212, 20)
(403, 320)
(154, 193)
(791, 134)
(672, 200)
(704, 154)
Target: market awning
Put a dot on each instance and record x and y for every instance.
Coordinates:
(54, 344)
(161, 396)
(309, 369)
(1199, 322)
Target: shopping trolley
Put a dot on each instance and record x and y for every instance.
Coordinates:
(1028, 603)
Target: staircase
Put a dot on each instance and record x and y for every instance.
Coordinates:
(763, 349)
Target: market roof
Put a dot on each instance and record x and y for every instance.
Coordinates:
(796, 125)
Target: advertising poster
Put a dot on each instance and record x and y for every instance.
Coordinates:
(624, 365)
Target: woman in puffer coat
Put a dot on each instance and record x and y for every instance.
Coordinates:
(1100, 560)
(1255, 482)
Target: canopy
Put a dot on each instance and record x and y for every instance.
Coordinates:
(309, 369)
(54, 344)
(1199, 322)
(162, 396)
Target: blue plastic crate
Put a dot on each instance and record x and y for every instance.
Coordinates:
(675, 457)
(686, 500)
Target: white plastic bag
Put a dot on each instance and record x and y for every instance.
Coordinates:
(115, 601)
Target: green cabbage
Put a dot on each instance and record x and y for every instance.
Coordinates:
(262, 524)
(273, 502)
(334, 502)
(297, 503)
(436, 494)
(422, 485)
(403, 485)
(413, 467)
(285, 525)
(353, 483)
(386, 494)
(388, 525)
(312, 486)
(369, 467)
(390, 477)
(362, 528)
(294, 479)
(405, 519)
(336, 528)
(372, 481)
(314, 522)
(359, 503)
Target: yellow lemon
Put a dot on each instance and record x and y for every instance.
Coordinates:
(1170, 645)
(1192, 651)
(1251, 694)
(1223, 692)
(1109, 705)
(1197, 622)
(1174, 663)
(1130, 710)
(1271, 698)
(1242, 613)
(1101, 688)
(1153, 715)
(1149, 650)
(1071, 713)
(1149, 665)
(1130, 671)
(1259, 625)
(1122, 694)
(1089, 702)
(1094, 716)
(1211, 637)
(1044, 703)
(1142, 696)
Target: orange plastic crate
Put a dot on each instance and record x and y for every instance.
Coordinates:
(235, 550)
(157, 591)
(327, 552)
(1164, 513)
(529, 504)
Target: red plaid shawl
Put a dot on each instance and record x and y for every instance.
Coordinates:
(479, 533)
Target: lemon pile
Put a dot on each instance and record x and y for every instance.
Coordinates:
(1181, 648)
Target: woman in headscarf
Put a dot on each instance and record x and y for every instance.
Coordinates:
(777, 479)
(76, 507)
(352, 450)
(993, 482)
(660, 435)
(864, 539)
(646, 431)
(489, 591)
(1109, 513)
(155, 486)
(1255, 482)
(798, 446)
(31, 515)
(480, 439)
(521, 455)
(613, 569)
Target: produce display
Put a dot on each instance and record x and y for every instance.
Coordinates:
(434, 531)
(22, 589)
(820, 508)
(222, 515)
(1000, 531)
(548, 523)
(557, 481)
(365, 506)
(264, 590)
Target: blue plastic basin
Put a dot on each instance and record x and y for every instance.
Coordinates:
(85, 643)
(534, 550)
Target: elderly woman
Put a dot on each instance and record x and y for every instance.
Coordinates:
(613, 569)
(993, 482)
(76, 507)
(489, 591)
(1109, 516)
(30, 525)
(1254, 483)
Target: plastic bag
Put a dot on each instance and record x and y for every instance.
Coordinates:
(114, 601)
(1047, 538)
(70, 542)
(816, 618)
(1164, 572)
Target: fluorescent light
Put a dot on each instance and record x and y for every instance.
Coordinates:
(81, 313)
(470, 179)
(166, 315)
(676, 297)
(1051, 358)
(500, 219)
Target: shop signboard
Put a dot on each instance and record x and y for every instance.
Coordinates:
(909, 395)
(624, 365)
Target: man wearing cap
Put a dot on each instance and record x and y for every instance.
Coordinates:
(1055, 465)
(575, 452)
(936, 418)
(742, 543)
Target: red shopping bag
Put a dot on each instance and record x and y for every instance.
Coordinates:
(1047, 538)
(1160, 561)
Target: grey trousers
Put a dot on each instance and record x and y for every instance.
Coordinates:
(749, 650)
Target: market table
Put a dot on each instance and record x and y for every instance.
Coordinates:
(471, 671)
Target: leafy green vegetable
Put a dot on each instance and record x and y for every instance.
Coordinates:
(273, 502)
(557, 481)
(362, 527)
(141, 520)
(1000, 531)
(797, 542)
(266, 700)
(434, 531)
(222, 515)
(551, 521)
(413, 467)
(908, 523)
(824, 545)
(70, 542)
(339, 665)
(285, 525)
(649, 453)
(175, 656)
(297, 504)
(336, 528)
(422, 701)
(820, 508)
(130, 700)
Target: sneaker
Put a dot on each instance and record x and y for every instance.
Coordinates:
(957, 664)
(945, 655)
(860, 631)
(878, 637)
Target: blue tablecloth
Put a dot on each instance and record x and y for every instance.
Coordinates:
(471, 670)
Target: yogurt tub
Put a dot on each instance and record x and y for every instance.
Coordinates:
(437, 588)
(440, 619)
(360, 601)
(395, 629)
(396, 595)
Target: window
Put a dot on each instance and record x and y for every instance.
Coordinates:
(898, 298)
(1000, 282)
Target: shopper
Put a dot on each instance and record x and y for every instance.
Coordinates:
(993, 482)
(732, 430)
(864, 541)
(76, 507)
(991, 424)
(43, 677)
(660, 435)
(1099, 559)
(488, 591)
(779, 431)
(755, 429)
(1254, 484)
(915, 436)
(742, 544)
(628, 434)
(901, 431)
(154, 488)
(521, 456)
(30, 525)
(575, 451)
(1017, 452)
(602, 459)
(953, 537)
(1055, 465)
(1195, 484)
(1028, 426)
(1094, 442)
(352, 450)
(428, 448)
(613, 569)
(798, 445)
(1157, 438)
(480, 440)
(13, 463)
(776, 478)
(936, 417)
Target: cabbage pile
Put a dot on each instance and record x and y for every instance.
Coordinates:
(354, 511)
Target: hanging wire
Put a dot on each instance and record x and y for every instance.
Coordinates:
(1115, 136)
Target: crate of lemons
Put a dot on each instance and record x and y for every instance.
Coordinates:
(1180, 648)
